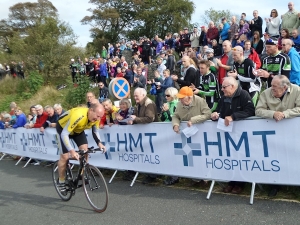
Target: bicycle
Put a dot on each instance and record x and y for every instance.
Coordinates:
(93, 182)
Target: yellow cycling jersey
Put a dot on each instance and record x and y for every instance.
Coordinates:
(76, 120)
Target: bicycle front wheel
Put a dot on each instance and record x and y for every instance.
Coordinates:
(95, 188)
(64, 195)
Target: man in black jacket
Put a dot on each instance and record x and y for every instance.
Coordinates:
(189, 76)
(103, 92)
(235, 104)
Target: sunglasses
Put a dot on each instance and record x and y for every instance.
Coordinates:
(168, 96)
(224, 87)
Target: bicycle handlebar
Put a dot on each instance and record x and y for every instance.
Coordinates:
(89, 150)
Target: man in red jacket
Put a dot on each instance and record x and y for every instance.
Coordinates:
(41, 117)
(212, 33)
(251, 54)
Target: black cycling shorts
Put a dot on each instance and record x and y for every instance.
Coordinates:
(79, 139)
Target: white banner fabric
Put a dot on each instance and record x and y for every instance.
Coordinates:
(258, 150)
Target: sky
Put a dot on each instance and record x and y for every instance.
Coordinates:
(72, 11)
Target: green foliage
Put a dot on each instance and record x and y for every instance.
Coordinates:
(114, 19)
(216, 16)
(50, 43)
(76, 95)
(34, 81)
(4, 103)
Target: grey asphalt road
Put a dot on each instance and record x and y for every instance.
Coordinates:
(27, 197)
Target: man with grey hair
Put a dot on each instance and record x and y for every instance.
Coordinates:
(58, 109)
(235, 104)
(144, 112)
(280, 101)
(51, 120)
(287, 48)
(41, 117)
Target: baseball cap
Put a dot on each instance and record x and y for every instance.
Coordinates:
(203, 27)
(185, 92)
(266, 33)
(270, 42)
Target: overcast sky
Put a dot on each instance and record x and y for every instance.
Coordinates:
(72, 11)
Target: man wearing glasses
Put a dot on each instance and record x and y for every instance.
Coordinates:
(235, 104)
(287, 48)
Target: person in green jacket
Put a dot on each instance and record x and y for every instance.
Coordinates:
(168, 110)
(104, 52)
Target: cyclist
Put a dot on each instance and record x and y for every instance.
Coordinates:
(71, 125)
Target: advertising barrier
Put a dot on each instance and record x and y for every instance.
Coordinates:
(258, 150)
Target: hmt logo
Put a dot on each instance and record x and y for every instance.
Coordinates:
(186, 145)
(110, 146)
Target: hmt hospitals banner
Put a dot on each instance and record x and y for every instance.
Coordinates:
(258, 150)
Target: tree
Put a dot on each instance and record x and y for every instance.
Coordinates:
(25, 15)
(112, 20)
(161, 17)
(49, 42)
(216, 15)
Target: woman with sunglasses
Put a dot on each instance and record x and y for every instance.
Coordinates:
(168, 110)
(273, 24)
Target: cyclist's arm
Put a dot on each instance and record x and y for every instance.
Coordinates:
(96, 136)
(65, 137)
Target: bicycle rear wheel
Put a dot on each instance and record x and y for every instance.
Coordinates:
(65, 196)
(95, 188)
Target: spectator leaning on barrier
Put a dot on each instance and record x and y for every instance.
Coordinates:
(168, 110)
(110, 111)
(190, 108)
(58, 109)
(41, 117)
(144, 112)
(21, 118)
(235, 105)
(295, 61)
(51, 120)
(122, 116)
(280, 101)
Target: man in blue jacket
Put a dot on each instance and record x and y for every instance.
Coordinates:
(295, 60)
(224, 31)
(21, 118)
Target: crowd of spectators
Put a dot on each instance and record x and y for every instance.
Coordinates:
(222, 72)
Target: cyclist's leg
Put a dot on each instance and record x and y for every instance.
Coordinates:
(64, 156)
(81, 141)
